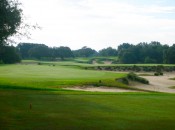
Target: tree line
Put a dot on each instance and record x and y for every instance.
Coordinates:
(153, 52)
(43, 52)
(126, 53)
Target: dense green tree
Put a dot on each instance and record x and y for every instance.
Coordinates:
(149, 60)
(171, 55)
(153, 52)
(128, 58)
(10, 55)
(123, 51)
(123, 47)
(24, 49)
(10, 19)
(141, 51)
(62, 52)
(40, 51)
(165, 54)
(84, 52)
(108, 52)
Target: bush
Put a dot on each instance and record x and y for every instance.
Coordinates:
(135, 68)
(123, 80)
(132, 76)
(1, 62)
(90, 61)
(158, 73)
(115, 62)
(142, 80)
(161, 73)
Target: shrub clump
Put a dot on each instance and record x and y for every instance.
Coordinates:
(158, 73)
(1, 62)
(123, 80)
(39, 63)
(132, 76)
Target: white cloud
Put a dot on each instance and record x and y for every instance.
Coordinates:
(98, 23)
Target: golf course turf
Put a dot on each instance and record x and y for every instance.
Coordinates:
(86, 110)
(31, 97)
(45, 76)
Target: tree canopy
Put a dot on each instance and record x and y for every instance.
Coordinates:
(85, 52)
(126, 53)
(153, 52)
(41, 51)
(108, 52)
(10, 19)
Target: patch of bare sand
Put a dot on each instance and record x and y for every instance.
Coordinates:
(107, 62)
(159, 83)
(94, 62)
(99, 89)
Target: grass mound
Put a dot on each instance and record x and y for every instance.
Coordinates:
(132, 76)
(48, 76)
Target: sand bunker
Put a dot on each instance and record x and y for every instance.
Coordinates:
(159, 83)
(100, 89)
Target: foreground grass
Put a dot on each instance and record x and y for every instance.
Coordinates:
(70, 110)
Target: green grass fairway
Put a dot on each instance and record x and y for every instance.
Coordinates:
(69, 110)
(74, 63)
(53, 108)
(49, 76)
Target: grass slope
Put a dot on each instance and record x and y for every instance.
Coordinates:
(47, 76)
(69, 110)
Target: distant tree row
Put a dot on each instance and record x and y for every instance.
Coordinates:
(41, 51)
(153, 52)
(126, 53)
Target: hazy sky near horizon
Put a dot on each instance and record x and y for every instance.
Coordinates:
(100, 23)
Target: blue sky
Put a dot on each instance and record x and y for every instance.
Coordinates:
(100, 23)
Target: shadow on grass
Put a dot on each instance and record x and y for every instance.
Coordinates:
(26, 88)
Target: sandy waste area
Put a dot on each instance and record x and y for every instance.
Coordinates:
(157, 83)
(99, 89)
